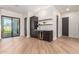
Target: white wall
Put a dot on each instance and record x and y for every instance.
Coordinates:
(50, 12)
(29, 14)
(13, 14)
(73, 24)
(44, 13)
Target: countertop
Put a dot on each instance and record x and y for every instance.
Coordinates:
(42, 30)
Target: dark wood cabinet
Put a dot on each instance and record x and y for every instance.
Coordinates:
(33, 26)
(45, 35)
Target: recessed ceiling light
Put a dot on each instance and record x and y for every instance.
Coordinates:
(67, 9)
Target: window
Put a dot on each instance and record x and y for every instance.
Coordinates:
(10, 26)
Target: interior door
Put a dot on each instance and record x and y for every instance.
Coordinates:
(6, 27)
(65, 26)
(25, 26)
(15, 28)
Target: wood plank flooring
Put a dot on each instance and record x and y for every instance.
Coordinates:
(35, 46)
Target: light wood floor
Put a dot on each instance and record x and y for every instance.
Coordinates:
(35, 46)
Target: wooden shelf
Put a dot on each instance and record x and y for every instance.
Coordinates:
(44, 24)
(45, 19)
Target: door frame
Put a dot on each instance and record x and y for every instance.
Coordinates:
(57, 17)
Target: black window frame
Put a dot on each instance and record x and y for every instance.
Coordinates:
(11, 26)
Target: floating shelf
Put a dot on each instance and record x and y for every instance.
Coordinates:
(44, 24)
(45, 19)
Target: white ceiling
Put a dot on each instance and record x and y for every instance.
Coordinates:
(23, 8)
(62, 8)
(32, 8)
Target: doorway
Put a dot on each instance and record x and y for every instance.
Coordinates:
(65, 26)
(25, 26)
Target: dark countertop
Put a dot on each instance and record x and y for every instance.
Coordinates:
(43, 30)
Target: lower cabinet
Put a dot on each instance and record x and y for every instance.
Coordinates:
(45, 35)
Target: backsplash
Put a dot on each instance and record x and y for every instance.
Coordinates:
(45, 24)
(45, 27)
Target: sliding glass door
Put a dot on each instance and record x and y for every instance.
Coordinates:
(10, 27)
(16, 27)
(6, 27)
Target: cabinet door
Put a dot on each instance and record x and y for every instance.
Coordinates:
(47, 35)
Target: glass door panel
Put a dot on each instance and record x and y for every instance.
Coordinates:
(6, 27)
(16, 27)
